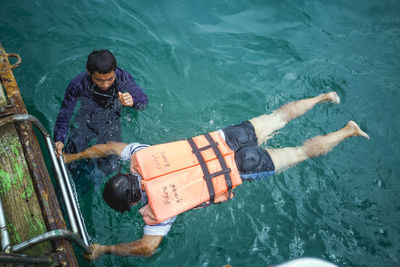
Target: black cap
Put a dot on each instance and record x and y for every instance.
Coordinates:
(121, 191)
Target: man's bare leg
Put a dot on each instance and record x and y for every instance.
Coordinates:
(284, 158)
(265, 125)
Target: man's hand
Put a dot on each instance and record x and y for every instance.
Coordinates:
(132, 168)
(148, 216)
(59, 148)
(97, 251)
(126, 99)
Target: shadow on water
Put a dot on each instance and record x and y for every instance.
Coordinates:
(93, 172)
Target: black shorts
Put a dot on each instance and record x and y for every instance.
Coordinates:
(253, 162)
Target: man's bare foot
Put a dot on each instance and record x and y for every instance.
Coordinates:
(357, 130)
(330, 97)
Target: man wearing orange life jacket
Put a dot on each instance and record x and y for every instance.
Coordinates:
(250, 162)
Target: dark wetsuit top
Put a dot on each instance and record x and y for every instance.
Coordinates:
(98, 108)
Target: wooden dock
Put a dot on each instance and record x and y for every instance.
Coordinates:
(27, 195)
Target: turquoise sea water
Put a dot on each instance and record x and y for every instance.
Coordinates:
(209, 64)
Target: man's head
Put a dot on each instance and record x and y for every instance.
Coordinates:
(122, 191)
(101, 66)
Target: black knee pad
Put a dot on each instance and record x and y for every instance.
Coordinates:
(253, 159)
(240, 135)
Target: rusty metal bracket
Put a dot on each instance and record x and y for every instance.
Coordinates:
(19, 60)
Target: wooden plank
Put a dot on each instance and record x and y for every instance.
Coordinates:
(22, 210)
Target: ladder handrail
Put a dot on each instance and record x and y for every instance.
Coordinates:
(74, 201)
(5, 238)
(25, 260)
(57, 233)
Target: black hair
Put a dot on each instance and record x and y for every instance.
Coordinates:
(121, 191)
(102, 61)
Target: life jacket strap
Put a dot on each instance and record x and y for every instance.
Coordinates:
(222, 163)
(207, 176)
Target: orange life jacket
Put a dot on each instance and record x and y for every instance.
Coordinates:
(180, 175)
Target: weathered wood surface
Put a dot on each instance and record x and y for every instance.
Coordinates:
(21, 207)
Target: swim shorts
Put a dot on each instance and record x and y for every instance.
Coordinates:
(253, 162)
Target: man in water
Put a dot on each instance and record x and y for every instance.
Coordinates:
(101, 90)
(252, 162)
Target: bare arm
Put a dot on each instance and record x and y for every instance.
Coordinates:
(97, 151)
(145, 246)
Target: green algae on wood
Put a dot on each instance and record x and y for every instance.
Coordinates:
(22, 210)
